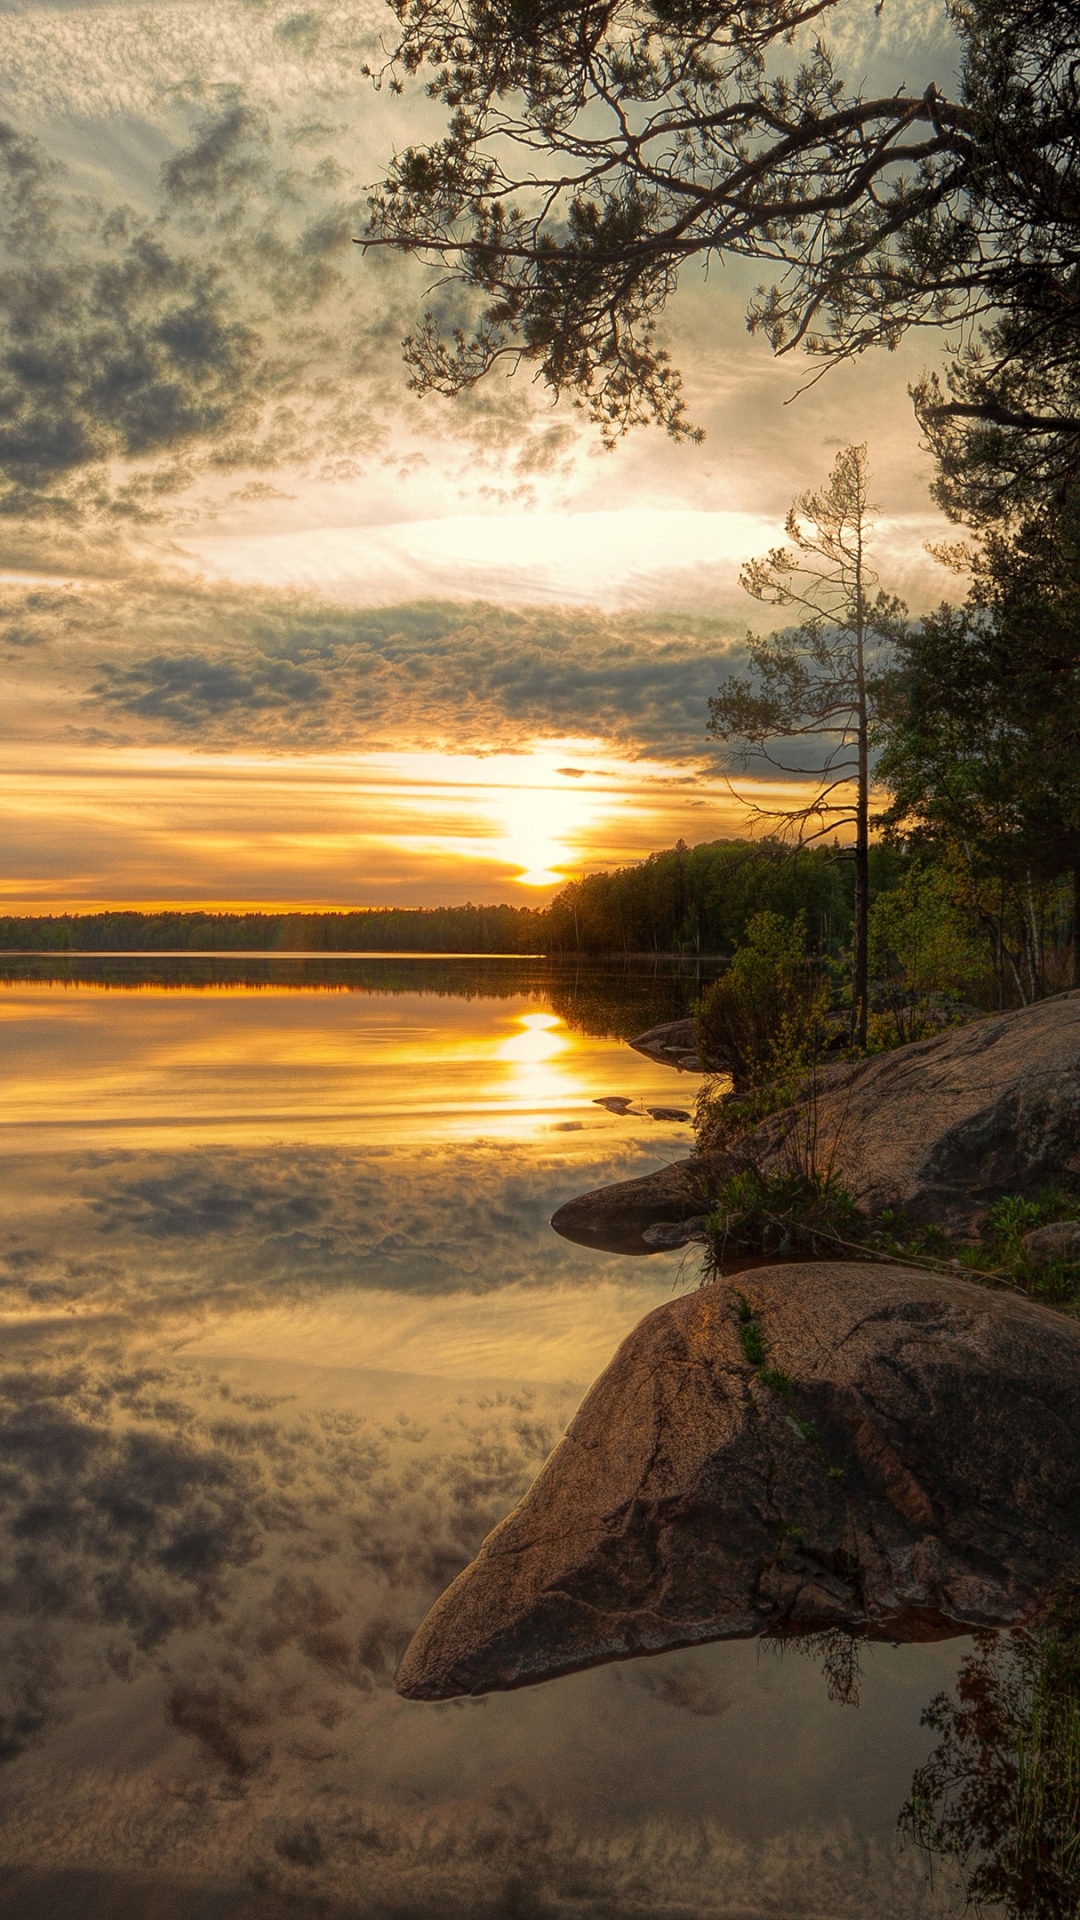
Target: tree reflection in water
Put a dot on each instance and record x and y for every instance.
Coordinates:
(1000, 1794)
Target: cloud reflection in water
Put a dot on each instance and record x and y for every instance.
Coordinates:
(263, 1397)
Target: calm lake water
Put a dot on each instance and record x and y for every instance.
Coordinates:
(286, 1333)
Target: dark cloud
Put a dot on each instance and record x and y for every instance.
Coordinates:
(156, 340)
(141, 1506)
(208, 1571)
(308, 674)
(228, 153)
(183, 689)
(134, 352)
(234, 327)
(300, 33)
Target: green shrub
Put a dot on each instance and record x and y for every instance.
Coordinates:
(1055, 1282)
(764, 1018)
(1000, 1793)
(925, 951)
(781, 1215)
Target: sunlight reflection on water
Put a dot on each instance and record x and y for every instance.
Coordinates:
(249, 1066)
(287, 1333)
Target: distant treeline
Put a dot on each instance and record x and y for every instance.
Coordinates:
(686, 899)
(466, 929)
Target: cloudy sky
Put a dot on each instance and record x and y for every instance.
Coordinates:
(276, 632)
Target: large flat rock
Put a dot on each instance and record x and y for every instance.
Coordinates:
(943, 1127)
(937, 1130)
(916, 1474)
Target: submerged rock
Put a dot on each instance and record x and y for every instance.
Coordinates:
(904, 1464)
(938, 1130)
(669, 1235)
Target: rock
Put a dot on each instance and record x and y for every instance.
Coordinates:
(614, 1102)
(938, 1130)
(668, 1235)
(667, 1113)
(1061, 1241)
(942, 1128)
(614, 1218)
(672, 1044)
(911, 1472)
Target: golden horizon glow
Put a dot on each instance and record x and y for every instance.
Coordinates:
(147, 829)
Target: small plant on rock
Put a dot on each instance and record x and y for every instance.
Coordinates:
(1056, 1282)
(786, 1215)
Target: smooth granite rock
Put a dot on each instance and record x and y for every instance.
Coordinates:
(920, 1475)
(614, 1219)
(1059, 1241)
(937, 1130)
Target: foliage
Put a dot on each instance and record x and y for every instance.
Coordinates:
(467, 929)
(982, 742)
(760, 1020)
(700, 899)
(591, 152)
(1000, 1794)
(924, 949)
(1055, 1282)
(722, 1118)
(1004, 427)
(814, 683)
(787, 1215)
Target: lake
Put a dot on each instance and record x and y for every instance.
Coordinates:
(287, 1331)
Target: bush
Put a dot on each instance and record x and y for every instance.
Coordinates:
(764, 1018)
(925, 951)
(786, 1215)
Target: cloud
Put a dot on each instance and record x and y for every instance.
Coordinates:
(187, 690)
(231, 329)
(82, 58)
(171, 1234)
(134, 353)
(292, 672)
(147, 1504)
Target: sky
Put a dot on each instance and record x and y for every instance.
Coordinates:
(276, 632)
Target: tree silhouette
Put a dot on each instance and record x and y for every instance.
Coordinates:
(594, 151)
(816, 682)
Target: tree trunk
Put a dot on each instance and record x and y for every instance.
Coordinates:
(860, 987)
(861, 941)
(1076, 925)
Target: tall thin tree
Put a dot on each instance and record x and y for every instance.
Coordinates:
(816, 682)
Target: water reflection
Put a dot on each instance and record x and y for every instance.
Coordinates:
(274, 1365)
(226, 1063)
(1000, 1794)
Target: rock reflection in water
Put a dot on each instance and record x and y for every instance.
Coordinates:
(262, 1397)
